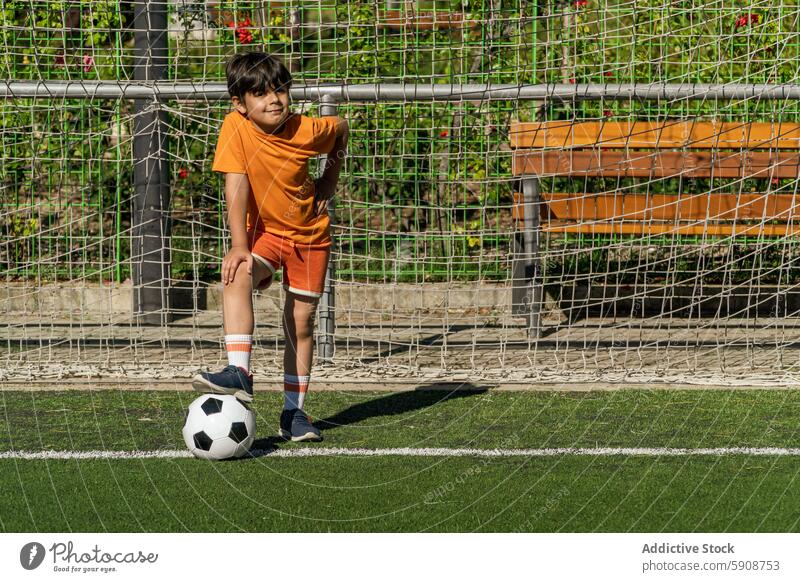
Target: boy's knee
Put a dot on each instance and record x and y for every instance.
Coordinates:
(304, 326)
(241, 278)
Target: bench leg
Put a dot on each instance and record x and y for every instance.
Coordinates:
(527, 291)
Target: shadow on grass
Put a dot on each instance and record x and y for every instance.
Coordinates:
(389, 405)
(398, 403)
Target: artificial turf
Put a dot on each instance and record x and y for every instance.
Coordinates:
(562, 493)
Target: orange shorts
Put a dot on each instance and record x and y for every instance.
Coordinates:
(304, 266)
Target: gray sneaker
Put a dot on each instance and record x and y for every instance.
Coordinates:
(231, 380)
(296, 426)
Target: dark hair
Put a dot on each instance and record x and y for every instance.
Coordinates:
(255, 73)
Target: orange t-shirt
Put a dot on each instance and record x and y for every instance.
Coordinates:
(277, 167)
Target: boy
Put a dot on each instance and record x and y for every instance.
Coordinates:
(278, 219)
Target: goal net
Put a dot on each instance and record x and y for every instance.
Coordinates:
(698, 286)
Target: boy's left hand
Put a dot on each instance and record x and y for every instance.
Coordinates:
(323, 192)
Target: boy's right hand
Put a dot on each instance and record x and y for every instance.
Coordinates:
(232, 260)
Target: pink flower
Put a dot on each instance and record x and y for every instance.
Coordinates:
(88, 63)
(775, 181)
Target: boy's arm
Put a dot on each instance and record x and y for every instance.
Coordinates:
(237, 194)
(326, 184)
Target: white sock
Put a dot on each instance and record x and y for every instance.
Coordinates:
(294, 391)
(238, 348)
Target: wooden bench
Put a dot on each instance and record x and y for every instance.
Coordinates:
(645, 151)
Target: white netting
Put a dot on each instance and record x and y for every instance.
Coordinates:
(425, 223)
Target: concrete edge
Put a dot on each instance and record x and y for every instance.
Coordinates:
(378, 385)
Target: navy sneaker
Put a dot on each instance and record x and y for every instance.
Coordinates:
(231, 380)
(296, 426)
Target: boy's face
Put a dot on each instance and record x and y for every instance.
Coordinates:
(268, 110)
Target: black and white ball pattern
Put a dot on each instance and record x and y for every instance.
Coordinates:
(219, 427)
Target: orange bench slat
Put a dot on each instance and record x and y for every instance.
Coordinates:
(655, 135)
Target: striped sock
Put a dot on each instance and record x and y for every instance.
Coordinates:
(238, 347)
(294, 391)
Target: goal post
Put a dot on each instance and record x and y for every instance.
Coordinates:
(399, 311)
(150, 216)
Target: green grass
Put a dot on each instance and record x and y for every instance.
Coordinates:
(734, 493)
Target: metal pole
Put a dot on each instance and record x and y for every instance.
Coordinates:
(150, 222)
(327, 303)
(403, 92)
(535, 290)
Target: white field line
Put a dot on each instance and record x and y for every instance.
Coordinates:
(416, 452)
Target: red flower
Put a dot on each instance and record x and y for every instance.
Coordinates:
(242, 32)
(608, 74)
(580, 3)
(59, 60)
(183, 173)
(608, 113)
(572, 81)
(445, 133)
(747, 19)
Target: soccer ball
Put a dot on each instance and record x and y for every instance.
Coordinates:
(219, 426)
